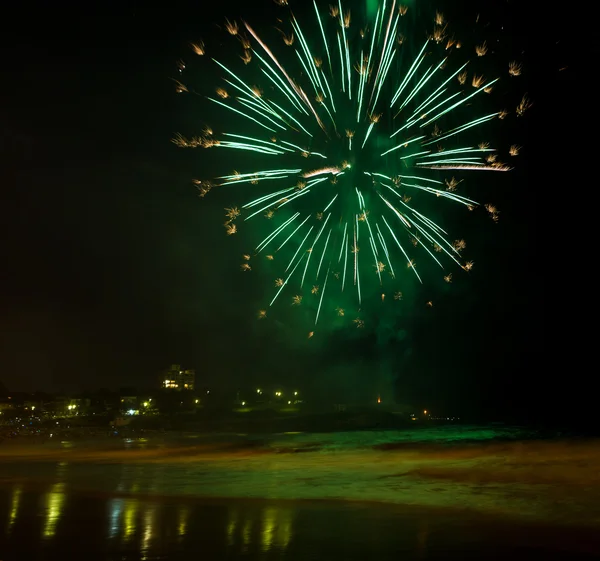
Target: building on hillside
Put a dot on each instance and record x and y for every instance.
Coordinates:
(176, 378)
(129, 403)
(6, 404)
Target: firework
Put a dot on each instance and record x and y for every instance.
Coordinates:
(351, 127)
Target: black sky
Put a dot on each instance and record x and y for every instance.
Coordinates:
(111, 267)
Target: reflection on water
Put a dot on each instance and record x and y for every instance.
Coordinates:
(549, 481)
(231, 525)
(277, 527)
(55, 500)
(273, 530)
(130, 522)
(131, 519)
(183, 516)
(14, 506)
(53, 523)
(115, 512)
(54, 518)
(149, 521)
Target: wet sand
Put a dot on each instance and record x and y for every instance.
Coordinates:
(327, 496)
(555, 482)
(55, 525)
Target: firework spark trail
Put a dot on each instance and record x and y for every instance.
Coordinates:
(297, 89)
(397, 109)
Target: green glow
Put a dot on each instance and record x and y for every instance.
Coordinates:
(409, 75)
(323, 254)
(343, 181)
(321, 299)
(372, 7)
(276, 232)
(478, 91)
(312, 248)
(348, 68)
(339, 40)
(242, 114)
(299, 248)
(323, 35)
(403, 144)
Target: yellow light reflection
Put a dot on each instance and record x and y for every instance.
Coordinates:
(268, 529)
(184, 514)
(247, 533)
(14, 507)
(276, 528)
(232, 525)
(55, 500)
(149, 519)
(130, 518)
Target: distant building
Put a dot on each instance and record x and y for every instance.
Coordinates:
(67, 406)
(129, 403)
(79, 405)
(175, 378)
(6, 404)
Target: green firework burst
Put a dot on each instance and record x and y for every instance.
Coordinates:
(354, 130)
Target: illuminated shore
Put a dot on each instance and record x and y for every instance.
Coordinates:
(549, 481)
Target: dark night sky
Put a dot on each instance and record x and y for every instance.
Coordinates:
(110, 261)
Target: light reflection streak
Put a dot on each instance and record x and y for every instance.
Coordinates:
(274, 528)
(149, 520)
(231, 525)
(115, 513)
(55, 500)
(15, 501)
(277, 528)
(183, 516)
(130, 519)
(247, 533)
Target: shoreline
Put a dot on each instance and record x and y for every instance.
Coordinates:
(487, 527)
(551, 482)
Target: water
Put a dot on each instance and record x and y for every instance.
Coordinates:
(56, 525)
(439, 493)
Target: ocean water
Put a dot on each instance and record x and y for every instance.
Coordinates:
(475, 479)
